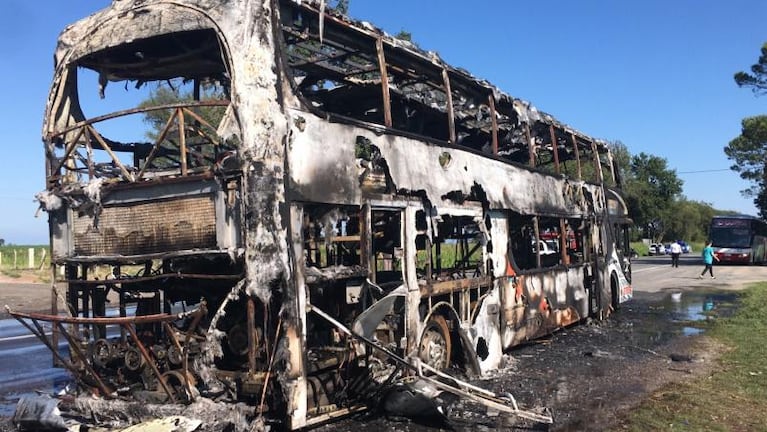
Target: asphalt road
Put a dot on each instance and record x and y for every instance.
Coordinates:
(653, 276)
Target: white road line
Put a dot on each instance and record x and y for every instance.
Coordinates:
(647, 268)
(20, 337)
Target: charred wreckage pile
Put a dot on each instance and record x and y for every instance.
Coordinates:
(237, 280)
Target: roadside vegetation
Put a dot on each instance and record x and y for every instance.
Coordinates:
(644, 250)
(15, 262)
(734, 396)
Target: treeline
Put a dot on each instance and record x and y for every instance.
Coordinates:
(653, 193)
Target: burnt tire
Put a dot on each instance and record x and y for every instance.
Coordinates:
(435, 346)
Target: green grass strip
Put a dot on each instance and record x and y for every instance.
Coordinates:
(733, 397)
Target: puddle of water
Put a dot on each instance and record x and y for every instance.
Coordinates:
(693, 307)
(691, 310)
(691, 331)
(681, 314)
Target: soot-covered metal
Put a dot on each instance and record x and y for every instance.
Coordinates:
(316, 212)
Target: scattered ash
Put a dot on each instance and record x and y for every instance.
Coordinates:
(586, 376)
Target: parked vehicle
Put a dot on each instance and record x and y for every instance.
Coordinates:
(657, 249)
(548, 247)
(686, 248)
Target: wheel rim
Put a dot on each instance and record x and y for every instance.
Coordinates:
(102, 353)
(178, 384)
(434, 349)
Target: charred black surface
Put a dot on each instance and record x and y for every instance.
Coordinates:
(586, 375)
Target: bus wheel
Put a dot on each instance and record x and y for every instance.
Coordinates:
(614, 294)
(434, 348)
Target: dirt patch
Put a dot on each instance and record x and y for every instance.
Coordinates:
(24, 296)
(22, 276)
(27, 294)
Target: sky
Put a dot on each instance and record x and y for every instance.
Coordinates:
(653, 74)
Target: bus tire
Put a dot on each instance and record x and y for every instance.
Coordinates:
(435, 346)
(615, 300)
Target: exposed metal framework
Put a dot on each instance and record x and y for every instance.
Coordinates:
(336, 210)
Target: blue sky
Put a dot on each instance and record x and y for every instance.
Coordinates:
(656, 75)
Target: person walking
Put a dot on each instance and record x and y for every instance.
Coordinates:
(676, 250)
(708, 258)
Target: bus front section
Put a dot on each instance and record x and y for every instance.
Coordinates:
(169, 258)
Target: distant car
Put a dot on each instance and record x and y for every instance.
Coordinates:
(548, 247)
(686, 248)
(667, 248)
(657, 249)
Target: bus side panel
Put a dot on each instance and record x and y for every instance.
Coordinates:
(536, 304)
(624, 291)
(486, 328)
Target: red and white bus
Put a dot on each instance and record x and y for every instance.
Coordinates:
(739, 239)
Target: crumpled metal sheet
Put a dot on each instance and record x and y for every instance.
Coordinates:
(38, 413)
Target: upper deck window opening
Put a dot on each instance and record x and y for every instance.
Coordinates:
(146, 107)
(352, 71)
(341, 74)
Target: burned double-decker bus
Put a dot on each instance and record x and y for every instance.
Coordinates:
(310, 209)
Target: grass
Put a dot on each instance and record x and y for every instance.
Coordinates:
(734, 396)
(449, 254)
(14, 262)
(641, 248)
(644, 250)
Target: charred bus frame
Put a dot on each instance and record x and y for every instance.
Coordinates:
(339, 185)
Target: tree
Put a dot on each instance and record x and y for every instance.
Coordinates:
(621, 159)
(757, 79)
(688, 220)
(164, 94)
(650, 189)
(198, 145)
(749, 152)
(404, 35)
(341, 6)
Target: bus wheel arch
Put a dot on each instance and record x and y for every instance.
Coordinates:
(462, 353)
(435, 342)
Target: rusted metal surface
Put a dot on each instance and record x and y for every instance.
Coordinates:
(87, 362)
(347, 166)
(147, 227)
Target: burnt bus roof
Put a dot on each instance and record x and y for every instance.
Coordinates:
(526, 111)
(80, 42)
